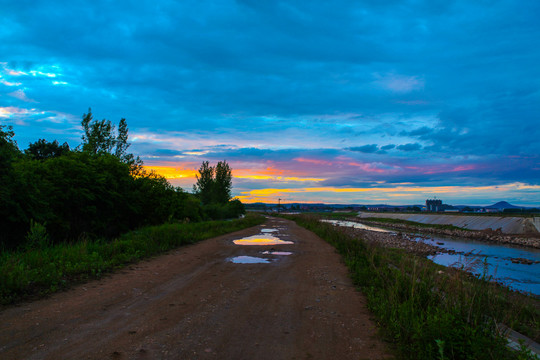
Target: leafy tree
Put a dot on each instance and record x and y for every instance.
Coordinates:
(100, 137)
(42, 149)
(8, 147)
(222, 183)
(214, 183)
(204, 188)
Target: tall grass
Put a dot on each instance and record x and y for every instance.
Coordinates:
(413, 223)
(45, 269)
(428, 311)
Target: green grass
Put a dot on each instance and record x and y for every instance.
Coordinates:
(46, 269)
(428, 311)
(391, 221)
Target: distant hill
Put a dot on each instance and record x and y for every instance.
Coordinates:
(501, 205)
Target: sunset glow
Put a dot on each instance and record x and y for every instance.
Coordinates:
(319, 102)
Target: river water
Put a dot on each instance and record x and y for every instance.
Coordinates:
(471, 255)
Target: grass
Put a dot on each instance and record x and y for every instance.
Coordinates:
(36, 272)
(391, 221)
(428, 311)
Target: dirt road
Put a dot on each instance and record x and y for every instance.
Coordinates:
(195, 303)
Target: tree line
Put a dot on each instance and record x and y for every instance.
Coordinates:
(97, 189)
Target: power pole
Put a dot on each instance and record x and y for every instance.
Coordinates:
(278, 205)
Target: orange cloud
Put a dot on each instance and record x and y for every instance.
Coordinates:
(379, 193)
(170, 172)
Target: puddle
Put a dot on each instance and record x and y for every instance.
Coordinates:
(269, 230)
(249, 260)
(261, 239)
(277, 253)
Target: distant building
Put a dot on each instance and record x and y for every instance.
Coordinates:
(434, 205)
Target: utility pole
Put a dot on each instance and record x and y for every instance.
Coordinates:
(278, 205)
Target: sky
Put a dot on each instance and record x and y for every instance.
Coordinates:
(350, 102)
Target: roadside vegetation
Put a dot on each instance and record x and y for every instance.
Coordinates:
(43, 268)
(71, 214)
(390, 221)
(429, 311)
(97, 190)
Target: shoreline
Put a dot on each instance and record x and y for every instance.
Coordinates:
(484, 235)
(406, 241)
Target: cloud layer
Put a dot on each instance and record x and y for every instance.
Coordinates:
(295, 95)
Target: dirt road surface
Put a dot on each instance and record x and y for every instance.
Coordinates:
(195, 303)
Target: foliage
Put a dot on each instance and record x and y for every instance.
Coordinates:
(414, 223)
(8, 148)
(222, 183)
(42, 149)
(428, 312)
(100, 137)
(213, 187)
(230, 210)
(214, 183)
(204, 188)
(40, 270)
(37, 236)
(96, 190)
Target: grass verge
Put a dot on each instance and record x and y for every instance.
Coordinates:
(428, 311)
(391, 221)
(47, 269)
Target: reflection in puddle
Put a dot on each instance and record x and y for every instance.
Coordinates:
(355, 225)
(277, 253)
(249, 260)
(268, 230)
(261, 240)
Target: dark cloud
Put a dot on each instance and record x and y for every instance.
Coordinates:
(454, 82)
(365, 149)
(409, 147)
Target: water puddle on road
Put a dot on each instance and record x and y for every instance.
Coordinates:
(269, 230)
(249, 260)
(279, 253)
(262, 239)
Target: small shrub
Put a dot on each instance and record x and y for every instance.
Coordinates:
(37, 237)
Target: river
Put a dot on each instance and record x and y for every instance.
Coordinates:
(471, 254)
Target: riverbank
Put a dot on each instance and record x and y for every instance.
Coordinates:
(427, 310)
(501, 224)
(498, 237)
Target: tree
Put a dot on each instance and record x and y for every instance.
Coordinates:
(100, 137)
(42, 149)
(8, 147)
(214, 183)
(222, 183)
(205, 183)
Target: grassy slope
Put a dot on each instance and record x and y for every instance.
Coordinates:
(40, 271)
(428, 311)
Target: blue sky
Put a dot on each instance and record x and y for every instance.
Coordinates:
(339, 102)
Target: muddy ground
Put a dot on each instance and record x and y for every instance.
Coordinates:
(194, 303)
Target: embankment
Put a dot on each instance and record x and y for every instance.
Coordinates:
(507, 225)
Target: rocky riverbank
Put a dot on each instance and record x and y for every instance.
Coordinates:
(485, 235)
(394, 240)
(411, 242)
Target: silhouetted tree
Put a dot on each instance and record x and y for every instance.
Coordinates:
(222, 183)
(100, 137)
(42, 149)
(204, 188)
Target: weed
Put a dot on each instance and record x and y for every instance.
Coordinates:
(44, 268)
(428, 311)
